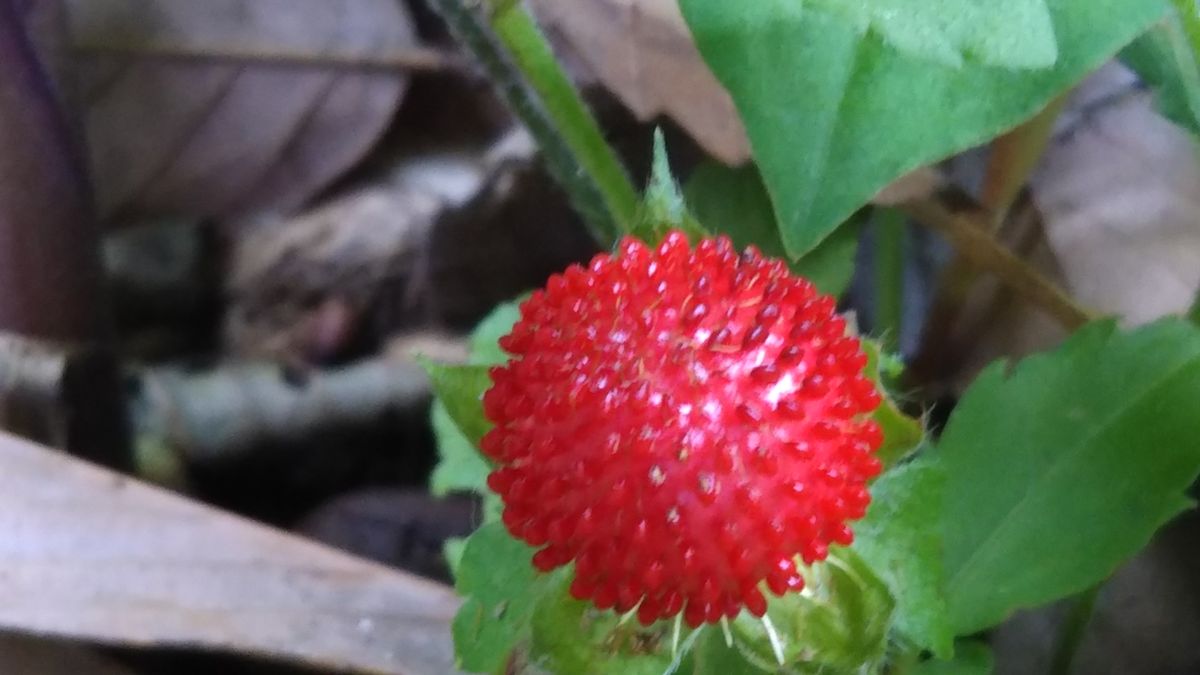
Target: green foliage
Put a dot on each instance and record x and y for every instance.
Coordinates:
(839, 626)
(712, 656)
(501, 588)
(457, 411)
(485, 339)
(570, 636)
(970, 658)
(1014, 34)
(902, 434)
(901, 542)
(833, 114)
(663, 207)
(460, 389)
(1059, 471)
(1163, 60)
(735, 202)
(461, 468)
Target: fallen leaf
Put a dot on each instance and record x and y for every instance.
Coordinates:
(91, 555)
(642, 51)
(171, 136)
(1117, 193)
(1119, 190)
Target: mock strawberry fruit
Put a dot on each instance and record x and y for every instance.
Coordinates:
(681, 424)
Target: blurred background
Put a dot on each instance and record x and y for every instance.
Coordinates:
(228, 227)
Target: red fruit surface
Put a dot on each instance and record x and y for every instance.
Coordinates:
(681, 424)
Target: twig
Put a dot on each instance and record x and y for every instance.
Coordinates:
(541, 96)
(412, 59)
(180, 417)
(967, 229)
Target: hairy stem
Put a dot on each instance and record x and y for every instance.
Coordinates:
(529, 48)
(471, 28)
(967, 230)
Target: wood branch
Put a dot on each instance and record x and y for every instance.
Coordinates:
(88, 554)
(234, 409)
(181, 416)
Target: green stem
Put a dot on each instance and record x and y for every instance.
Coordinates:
(518, 30)
(583, 187)
(1072, 632)
(1194, 312)
(1190, 17)
(890, 227)
(1182, 29)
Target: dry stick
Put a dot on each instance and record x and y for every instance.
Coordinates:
(411, 59)
(967, 230)
(181, 417)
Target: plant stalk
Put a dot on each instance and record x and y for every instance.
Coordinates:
(519, 31)
(967, 231)
(517, 59)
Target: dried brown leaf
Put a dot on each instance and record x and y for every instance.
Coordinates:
(201, 137)
(1119, 190)
(88, 554)
(642, 51)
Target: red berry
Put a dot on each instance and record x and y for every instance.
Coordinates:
(681, 424)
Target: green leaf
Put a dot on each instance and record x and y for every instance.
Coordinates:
(460, 467)
(452, 551)
(839, 625)
(663, 207)
(834, 115)
(713, 657)
(970, 658)
(902, 434)
(1061, 470)
(501, 588)
(1014, 33)
(901, 540)
(573, 637)
(1164, 61)
(485, 339)
(735, 202)
(460, 389)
